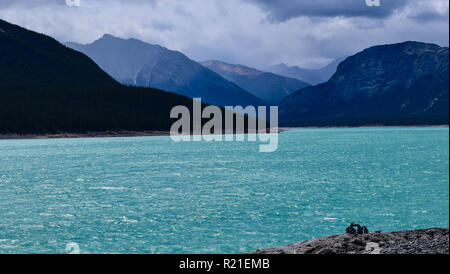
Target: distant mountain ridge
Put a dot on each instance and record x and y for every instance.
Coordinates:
(135, 62)
(265, 85)
(311, 76)
(398, 84)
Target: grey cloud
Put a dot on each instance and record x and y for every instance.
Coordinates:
(425, 10)
(237, 31)
(37, 3)
(430, 16)
(282, 10)
(30, 3)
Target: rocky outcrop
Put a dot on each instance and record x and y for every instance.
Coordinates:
(423, 241)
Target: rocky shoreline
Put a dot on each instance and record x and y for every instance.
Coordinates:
(422, 241)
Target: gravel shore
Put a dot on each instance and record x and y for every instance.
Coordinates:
(422, 241)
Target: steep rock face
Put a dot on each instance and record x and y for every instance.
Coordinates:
(265, 85)
(397, 84)
(134, 62)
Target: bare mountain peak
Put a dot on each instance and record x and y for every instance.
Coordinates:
(312, 76)
(108, 36)
(284, 65)
(268, 86)
(135, 62)
(232, 68)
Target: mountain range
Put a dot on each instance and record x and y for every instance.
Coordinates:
(46, 87)
(265, 85)
(311, 76)
(397, 84)
(133, 62)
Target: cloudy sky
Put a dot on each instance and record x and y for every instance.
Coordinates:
(259, 33)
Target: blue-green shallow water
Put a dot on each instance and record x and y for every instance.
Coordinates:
(151, 195)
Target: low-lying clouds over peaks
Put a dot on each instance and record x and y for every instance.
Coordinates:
(256, 33)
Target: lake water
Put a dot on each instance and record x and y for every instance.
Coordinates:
(151, 195)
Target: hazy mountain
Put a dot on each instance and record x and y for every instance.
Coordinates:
(129, 56)
(131, 61)
(265, 85)
(311, 76)
(397, 84)
(46, 87)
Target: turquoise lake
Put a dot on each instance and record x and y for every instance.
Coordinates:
(152, 195)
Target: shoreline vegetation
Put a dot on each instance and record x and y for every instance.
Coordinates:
(93, 134)
(421, 241)
(126, 133)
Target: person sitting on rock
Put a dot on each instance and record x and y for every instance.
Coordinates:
(365, 230)
(360, 229)
(350, 229)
